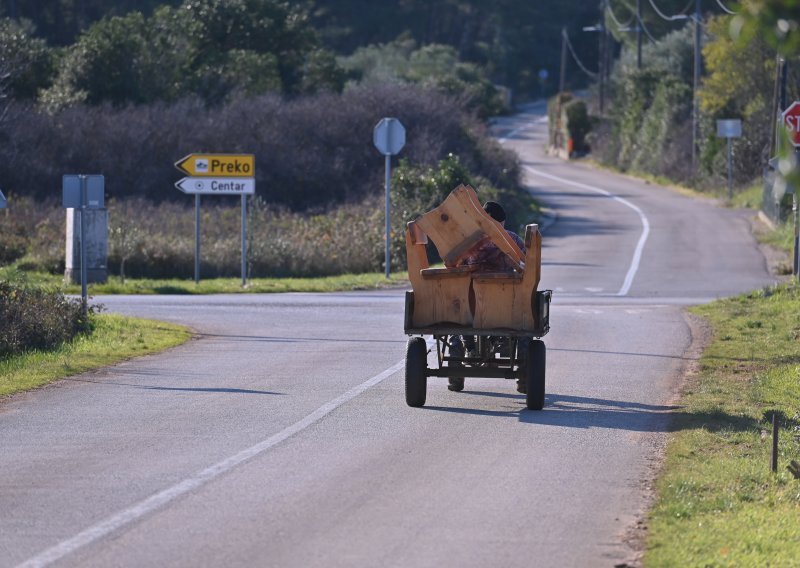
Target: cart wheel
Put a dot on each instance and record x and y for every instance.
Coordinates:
(534, 366)
(455, 384)
(416, 367)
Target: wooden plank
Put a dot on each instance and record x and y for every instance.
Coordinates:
(508, 302)
(460, 223)
(440, 295)
(432, 273)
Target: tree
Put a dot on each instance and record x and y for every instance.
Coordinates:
(26, 62)
(209, 48)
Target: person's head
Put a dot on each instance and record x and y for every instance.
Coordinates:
(495, 211)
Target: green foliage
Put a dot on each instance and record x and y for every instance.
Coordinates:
(26, 62)
(573, 123)
(210, 48)
(650, 118)
(34, 318)
(775, 21)
(114, 338)
(578, 124)
(435, 66)
(511, 41)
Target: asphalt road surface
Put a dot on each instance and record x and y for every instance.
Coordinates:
(280, 436)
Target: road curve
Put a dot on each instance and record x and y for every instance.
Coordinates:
(280, 436)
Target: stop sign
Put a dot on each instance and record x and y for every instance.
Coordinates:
(791, 120)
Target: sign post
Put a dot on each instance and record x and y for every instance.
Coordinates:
(83, 192)
(389, 137)
(729, 128)
(217, 174)
(791, 120)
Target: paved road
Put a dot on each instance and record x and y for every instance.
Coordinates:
(280, 436)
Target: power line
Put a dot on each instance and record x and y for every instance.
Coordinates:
(616, 20)
(591, 74)
(640, 22)
(646, 31)
(725, 8)
(678, 16)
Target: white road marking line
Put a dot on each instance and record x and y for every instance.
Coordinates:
(637, 253)
(155, 502)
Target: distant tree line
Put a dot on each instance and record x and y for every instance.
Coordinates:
(647, 126)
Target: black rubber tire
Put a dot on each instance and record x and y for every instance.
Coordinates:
(535, 363)
(455, 384)
(416, 367)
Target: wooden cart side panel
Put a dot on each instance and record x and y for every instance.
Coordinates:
(443, 301)
(440, 295)
(508, 302)
(416, 254)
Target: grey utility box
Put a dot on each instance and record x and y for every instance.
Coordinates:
(95, 227)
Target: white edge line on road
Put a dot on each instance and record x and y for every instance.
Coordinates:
(137, 511)
(637, 253)
(520, 129)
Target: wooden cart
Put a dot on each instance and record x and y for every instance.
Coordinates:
(503, 311)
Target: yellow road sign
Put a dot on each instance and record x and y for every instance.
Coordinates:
(218, 165)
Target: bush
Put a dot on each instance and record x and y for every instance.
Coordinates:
(32, 318)
(311, 153)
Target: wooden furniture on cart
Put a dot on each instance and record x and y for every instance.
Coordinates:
(461, 296)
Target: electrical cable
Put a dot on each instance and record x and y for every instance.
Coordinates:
(726, 9)
(663, 16)
(640, 21)
(616, 20)
(591, 74)
(646, 31)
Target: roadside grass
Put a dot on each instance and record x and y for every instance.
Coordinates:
(718, 503)
(781, 238)
(115, 285)
(749, 197)
(114, 339)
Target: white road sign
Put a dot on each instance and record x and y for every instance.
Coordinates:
(3, 202)
(729, 128)
(217, 186)
(389, 136)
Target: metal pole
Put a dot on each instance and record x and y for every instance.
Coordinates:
(84, 295)
(388, 219)
(730, 169)
(796, 215)
(696, 82)
(602, 65)
(639, 34)
(197, 238)
(563, 79)
(244, 240)
(774, 461)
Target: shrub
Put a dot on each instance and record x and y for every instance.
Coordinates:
(311, 153)
(32, 318)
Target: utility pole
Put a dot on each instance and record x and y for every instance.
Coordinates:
(639, 34)
(602, 65)
(563, 79)
(698, 31)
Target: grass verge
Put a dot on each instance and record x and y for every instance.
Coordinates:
(115, 338)
(115, 285)
(718, 502)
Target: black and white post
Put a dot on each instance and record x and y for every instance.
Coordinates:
(389, 137)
